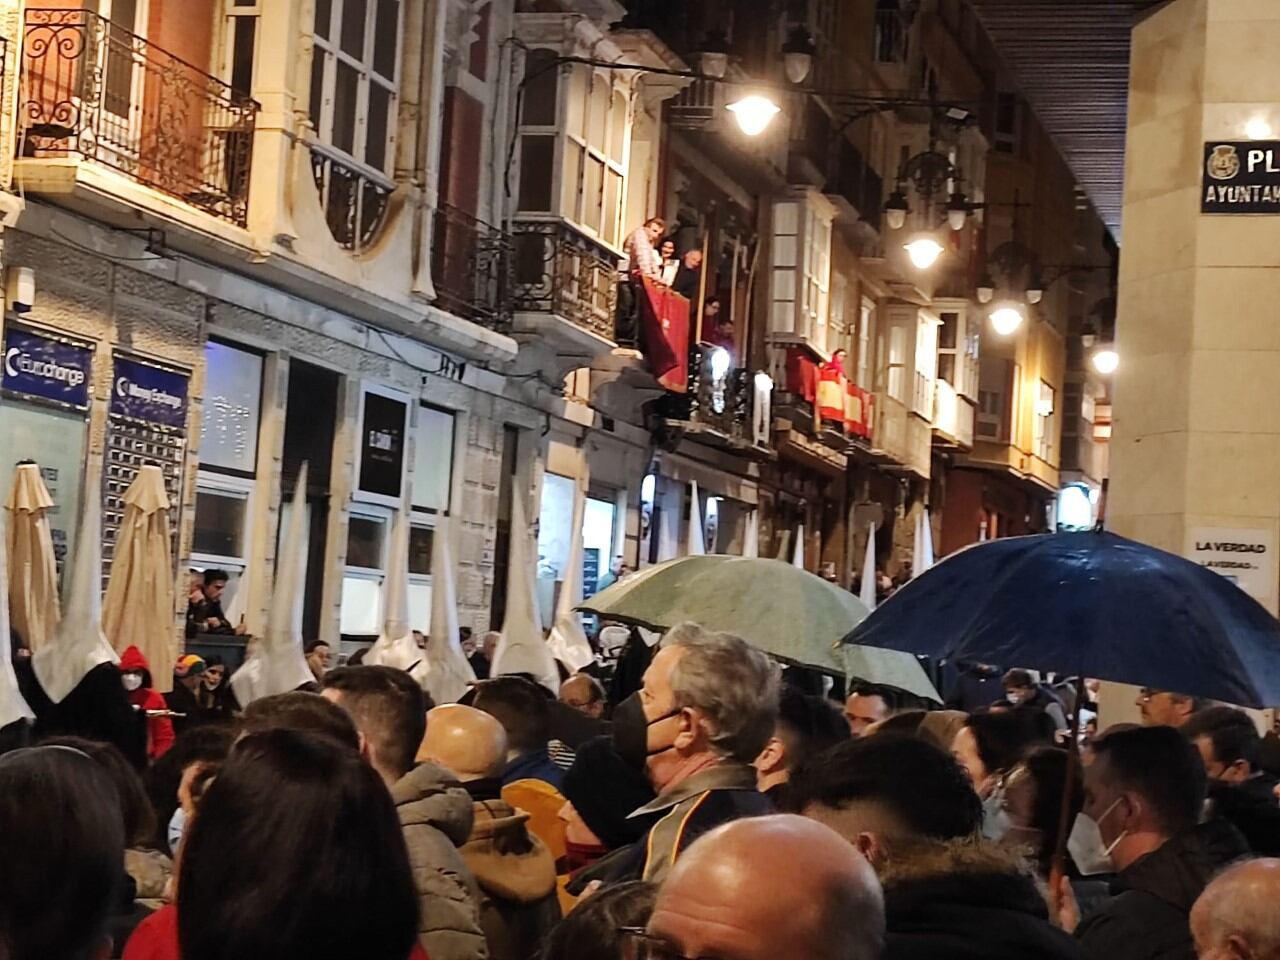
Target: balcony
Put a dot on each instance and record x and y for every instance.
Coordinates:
(820, 400)
(715, 410)
(95, 98)
(471, 269)
(564, 294)
(354, 198)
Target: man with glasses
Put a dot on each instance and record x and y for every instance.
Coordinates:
(1162, 708)
(767, 888)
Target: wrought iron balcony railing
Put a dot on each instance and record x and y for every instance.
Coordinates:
(354, 199)
(721, 403)
(471, 268)
(561, 271)
(90, 88)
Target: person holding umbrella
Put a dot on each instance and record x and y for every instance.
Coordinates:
(1143, 799)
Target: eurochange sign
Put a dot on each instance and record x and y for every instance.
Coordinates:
(43, 367)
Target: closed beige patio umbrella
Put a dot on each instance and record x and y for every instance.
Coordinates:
(138, 609)
(33, 571)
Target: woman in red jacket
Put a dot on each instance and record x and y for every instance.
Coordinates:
(135, 673)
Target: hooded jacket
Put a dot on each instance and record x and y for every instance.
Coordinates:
(965, 900)
(1147, 915)
(517, 877)
(436, 818)
(160, 734)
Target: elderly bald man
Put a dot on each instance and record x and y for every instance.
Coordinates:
(1238, 915)
(768, 888)
(514, 868)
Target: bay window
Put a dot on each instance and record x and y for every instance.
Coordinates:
(800, 255)
(354, 79)
(581, 117)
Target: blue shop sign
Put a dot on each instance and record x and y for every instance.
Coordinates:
(144, 391)
(46, 368)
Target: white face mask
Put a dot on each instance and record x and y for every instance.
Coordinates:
(177, 824)
(131, 681)
(1091, 854)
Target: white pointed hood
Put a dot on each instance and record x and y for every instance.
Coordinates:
(868, 591)
(697, 542)
(449, 674)
(12, 707)
(568, 641)
(797, 556)
(278, 664)
(751, 539)
(522, 649)
(78, 643)
(395, 646)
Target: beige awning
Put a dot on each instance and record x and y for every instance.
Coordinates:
(139, 607)
(33, 571)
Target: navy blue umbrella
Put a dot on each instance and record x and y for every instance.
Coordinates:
(1088, 604)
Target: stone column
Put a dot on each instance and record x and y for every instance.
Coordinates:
(1196, 444)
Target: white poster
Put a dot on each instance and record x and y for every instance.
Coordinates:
(1246, 557)
(55, 440)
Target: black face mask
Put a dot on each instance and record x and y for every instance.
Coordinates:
(631, 732)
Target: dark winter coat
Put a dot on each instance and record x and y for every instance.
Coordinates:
(1147, 915)
(98, 708)
(187, 707)
(968, 900)
(1250, 807)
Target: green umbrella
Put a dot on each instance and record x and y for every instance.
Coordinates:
(786, 612)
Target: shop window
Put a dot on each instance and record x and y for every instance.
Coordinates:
(354, 78)
(421, 538)
(232, 408)
(555, 532)
(597, 543)
(221, 523)
(366, 572)
(433, 459)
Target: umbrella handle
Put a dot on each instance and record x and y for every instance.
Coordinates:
(1058, 868)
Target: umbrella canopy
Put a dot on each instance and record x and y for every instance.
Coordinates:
(1088, 604)
(138, 609)
(33, 571)
(78, 644)
(450, 673)
(12, 706)
(522, 648)
(277, 664)
(788, 613)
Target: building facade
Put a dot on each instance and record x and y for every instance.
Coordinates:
(385, 240)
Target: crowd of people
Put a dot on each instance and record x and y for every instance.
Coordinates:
(686, 799)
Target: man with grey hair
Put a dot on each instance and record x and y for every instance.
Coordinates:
(707, 708)
(769, 888)
(1236, 918)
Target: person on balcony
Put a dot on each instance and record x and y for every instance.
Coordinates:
(642, 260)
(689, 277)
(670, 262)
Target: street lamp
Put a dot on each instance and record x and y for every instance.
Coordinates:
(754, 113)
(896, 209)
(797, 54)
(986, 290)
(1106, 360)
(924, 251)
(1006, 319)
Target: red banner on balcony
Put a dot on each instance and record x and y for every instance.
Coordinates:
(802, 374)
(832, 395)
(664, 335)
(859, 412)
